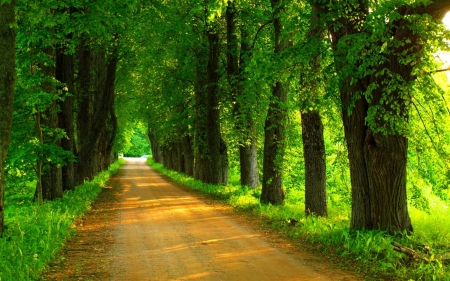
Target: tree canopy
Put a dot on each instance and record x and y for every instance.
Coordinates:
(345, 102)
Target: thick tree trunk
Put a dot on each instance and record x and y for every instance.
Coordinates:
(315, 164)
(89, 150)
(274, 128)
(65, 74)
(355, 133)
(312, 127)
(7, 82)
(217, 151)
(274, 146)
(248, 158)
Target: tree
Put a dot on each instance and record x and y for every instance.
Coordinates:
(375, 86)
(7, 81)
(274, 128)
(237, 57)
(312, 127)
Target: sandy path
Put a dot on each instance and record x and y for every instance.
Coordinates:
(166, 233)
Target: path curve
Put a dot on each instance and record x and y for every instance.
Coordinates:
(166, 233)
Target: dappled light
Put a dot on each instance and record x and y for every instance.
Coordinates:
(327, 122)
(164, 232)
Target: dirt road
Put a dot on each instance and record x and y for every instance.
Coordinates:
(162, 232)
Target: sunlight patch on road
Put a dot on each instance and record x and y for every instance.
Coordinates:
(195, 276)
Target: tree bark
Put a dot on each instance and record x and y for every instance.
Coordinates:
(315, 164)
(84, 110)
(103, 102)
(65, 74)
(188, 155)
(274, 128)
(312, 127)
(52, 186)
(217, 152)
(156, 150)
(7, 82)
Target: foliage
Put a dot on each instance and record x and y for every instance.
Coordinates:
(139, 144)
(35, 234)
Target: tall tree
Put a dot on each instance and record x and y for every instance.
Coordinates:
(375, 101)
(274, 128)
(237, 57)
(312, 127)
(7, 82)
(65, 74)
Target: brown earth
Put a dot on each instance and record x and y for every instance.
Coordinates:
(143, 227)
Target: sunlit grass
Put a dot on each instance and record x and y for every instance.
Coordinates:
(35, 234)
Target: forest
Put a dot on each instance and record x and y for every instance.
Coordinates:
(335, 113)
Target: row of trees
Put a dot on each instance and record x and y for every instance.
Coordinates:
(216, 81)
(220, 70)
(65, 55)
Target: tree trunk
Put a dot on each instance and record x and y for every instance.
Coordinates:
(217, 151)
(84, 106)
(188, 156)
(103, 102)
(200, 147)
(248, 158)
(65, 74)
(7, 82)
(312, 127)
(315, 164)
(274, 128)
(52, 175)
(156, 150)
(245, 125)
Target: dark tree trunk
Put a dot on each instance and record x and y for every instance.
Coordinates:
(156, 150)
(52, 176)
(355, 133)
(217, 150)
(312, 127)
(200, 147)
(84, 106)
(103, 103)
(65, 74)
(112, 131)
(188, 156)
(315, 164)
(7, 82)
(245, 125)
(274, 128)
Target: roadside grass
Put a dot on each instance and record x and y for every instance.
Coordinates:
(35, 234)
(368, 252)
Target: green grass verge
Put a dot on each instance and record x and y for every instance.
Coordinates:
(35, 234)
(372, 250)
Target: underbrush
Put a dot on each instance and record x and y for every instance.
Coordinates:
(35, 234)
(372, 250)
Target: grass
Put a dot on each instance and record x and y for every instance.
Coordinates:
(35, 234)
(370, 252)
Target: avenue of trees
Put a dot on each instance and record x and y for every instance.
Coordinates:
(225, 86)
